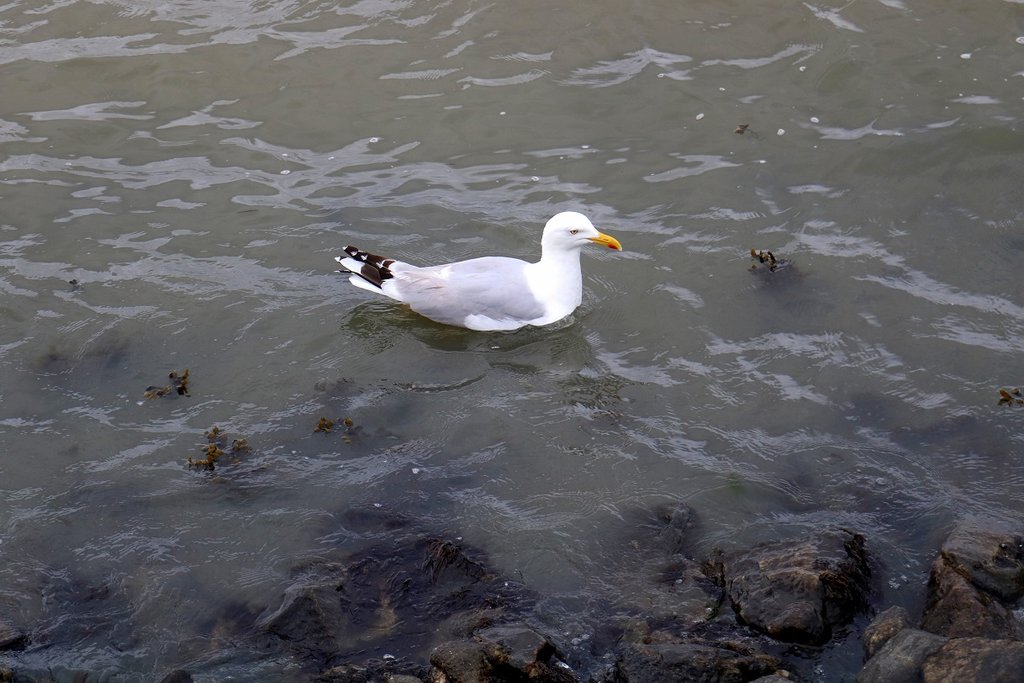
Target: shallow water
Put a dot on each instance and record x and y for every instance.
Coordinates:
(195, 166)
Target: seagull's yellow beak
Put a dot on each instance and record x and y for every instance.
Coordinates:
(606, 240)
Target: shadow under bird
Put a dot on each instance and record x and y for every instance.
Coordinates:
(493, 292)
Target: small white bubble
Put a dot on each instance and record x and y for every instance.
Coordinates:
(965, 55)
(374, 139)
(534, 179)
(501, 113)
(284, 154)
(415, 470)
(377, 505)
(721, 89)
(1020, 40)
(700, 116)
(661, 75)
(803, 68)
(585, 146)
(388, 657)
(815, 119)
(780, 131)
(330, 158)
(285, 172)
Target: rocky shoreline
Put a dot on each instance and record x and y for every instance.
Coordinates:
(421, 607)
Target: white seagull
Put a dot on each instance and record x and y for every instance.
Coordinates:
(493, 292)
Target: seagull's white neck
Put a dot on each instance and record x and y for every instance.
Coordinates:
(557, 279)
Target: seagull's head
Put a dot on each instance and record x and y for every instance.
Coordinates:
(570, 230)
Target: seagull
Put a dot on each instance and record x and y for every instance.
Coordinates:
(490, 293)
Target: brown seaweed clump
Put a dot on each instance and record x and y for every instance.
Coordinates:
(768, 258)
(215, 449)
(178, 386)
(1011, 397)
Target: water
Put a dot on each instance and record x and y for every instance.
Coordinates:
(195, 166)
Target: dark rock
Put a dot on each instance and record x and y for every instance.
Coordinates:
(11, 638)
(691, 660)
(882, 628)
(512, 652)
(773, 678)
(990, 557)
(958, 609)
(178, 676)
(975, 660)
(900, 659)
(798, 591)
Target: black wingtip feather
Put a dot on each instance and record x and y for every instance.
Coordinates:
(375, 270)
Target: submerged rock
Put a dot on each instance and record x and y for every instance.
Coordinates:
(11, 637)
(386, 601)
(799, 591)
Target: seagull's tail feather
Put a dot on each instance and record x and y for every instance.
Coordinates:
(373, 269)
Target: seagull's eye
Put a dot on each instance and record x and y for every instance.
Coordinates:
(573, 231)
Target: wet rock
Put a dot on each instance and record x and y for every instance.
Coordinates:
(958, 609)
(798, 591)
(690, 659)
(901, 658)
(512, 652)
(11, 638)
(975, 660)
(882, 628)
(991, 558)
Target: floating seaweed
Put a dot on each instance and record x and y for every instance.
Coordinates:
(351, 430)
(156, 392)
(178, 385)
(214, 449)
(324, 425)
(180, 382)
(240, 447)
(213, 452)
(1012, 397)
(766, 257)
(741, 128)
(75, 286)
